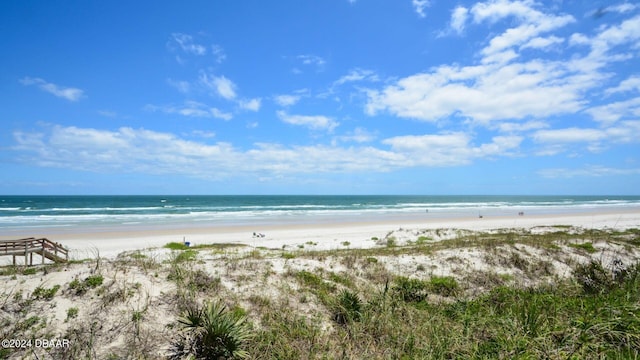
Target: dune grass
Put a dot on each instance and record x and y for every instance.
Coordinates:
(351, 303)
(397, 321)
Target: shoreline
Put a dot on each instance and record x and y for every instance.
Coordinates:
(324, 235)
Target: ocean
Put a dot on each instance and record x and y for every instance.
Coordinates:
(25, 214)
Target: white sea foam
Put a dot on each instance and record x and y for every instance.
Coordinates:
(125, 211)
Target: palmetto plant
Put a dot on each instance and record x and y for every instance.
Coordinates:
(348, 307)
(211, 332)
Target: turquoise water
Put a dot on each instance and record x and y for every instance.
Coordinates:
(20, 213)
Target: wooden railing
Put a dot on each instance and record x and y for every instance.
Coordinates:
(27, 247)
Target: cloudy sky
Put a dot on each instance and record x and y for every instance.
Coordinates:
(320, 97)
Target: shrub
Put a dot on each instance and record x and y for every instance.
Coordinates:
(347, 307)
(29, 271)
(340, 279)
(310, 279)
(176, 246)
(422, 240)
(200, 280)
(443, 285)
(596, 279)
(94, 281)
(410, 290)
(44, 293)
(593, 277)
(80, 287)
(391, 241)
(187, 255)
(588, 247)
(211, 332)
(72, 313)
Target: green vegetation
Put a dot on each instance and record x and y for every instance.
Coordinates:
(176, 246)
(410, 290)
(422, 240)
(211, 332)
(564, 321)
(216, 246)
(72, 313)
(81, 287)
(391, 241)
(347, 308)
(443, 285)
(44, 293)
(371, 260)
(186, 255)
(588, 247)
(542, 297)
(29, 271)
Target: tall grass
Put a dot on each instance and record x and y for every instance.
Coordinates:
(564, 321)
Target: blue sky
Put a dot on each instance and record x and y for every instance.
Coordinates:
(320, 97)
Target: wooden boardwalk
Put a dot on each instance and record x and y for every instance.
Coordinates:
(46, 248)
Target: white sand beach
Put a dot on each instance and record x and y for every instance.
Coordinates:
(266, 270)
(358, 234)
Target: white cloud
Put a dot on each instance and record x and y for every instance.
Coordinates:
(504, 86)
(180, 85)
(71, 94)
(203, 134)
(218, 53)
(569, 135)
(225, 87)
(217, 113)
(220, 85)
(144, 151)
(420, 6)
(314, 122)
(630, 84)
(533, 22)
(607, 38)
(542, 42)
(555, 141)
(192, 109)
(588, 171)
(623, 8)
(286, 100)
(250, 104)
(495, 10)
(358, 135)
(578, 39)
(459, 18)
(310, 60)
(108, 113)
(357, 75)
(483, 93)
(185, 42)
(615, 111)
(511, 127)
(448, 149)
